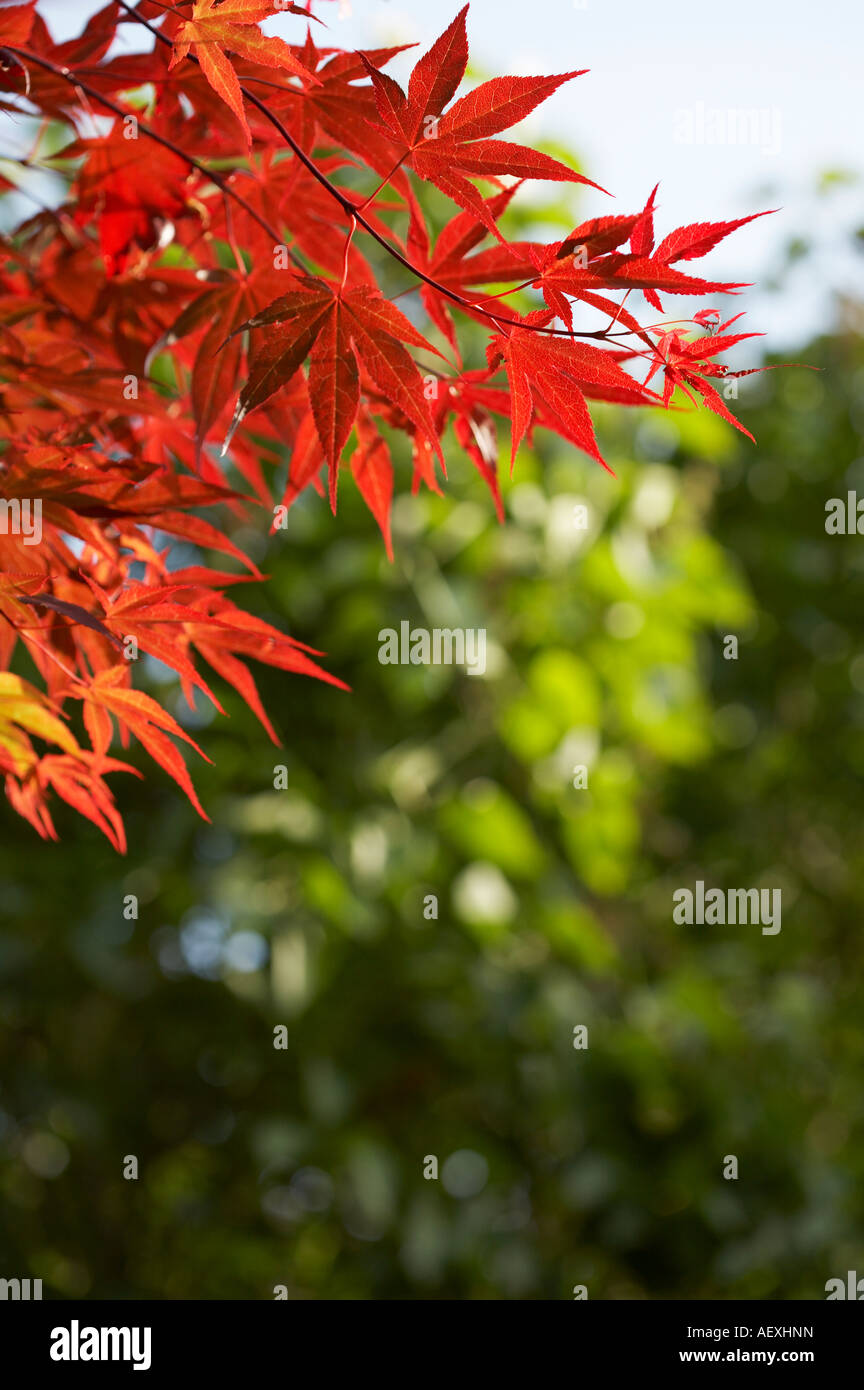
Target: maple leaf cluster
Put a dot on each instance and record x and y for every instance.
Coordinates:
(206, 297)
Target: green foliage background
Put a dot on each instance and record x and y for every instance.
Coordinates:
(410, 1037)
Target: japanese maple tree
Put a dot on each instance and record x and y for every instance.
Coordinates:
(206, 298)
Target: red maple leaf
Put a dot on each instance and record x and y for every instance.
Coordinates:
(446, 146)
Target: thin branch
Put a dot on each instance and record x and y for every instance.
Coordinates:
(352, 211)
(217, 179)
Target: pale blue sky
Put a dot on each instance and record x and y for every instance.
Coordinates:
(733, 107)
